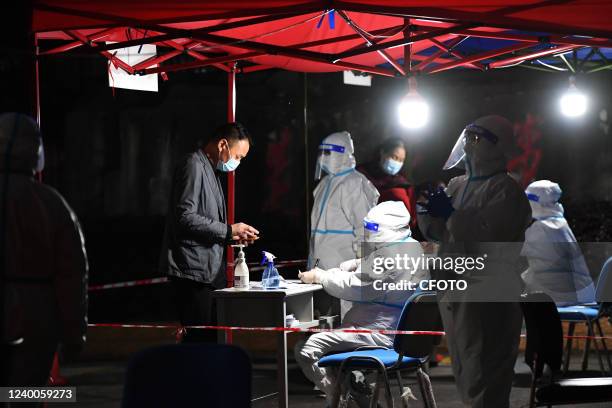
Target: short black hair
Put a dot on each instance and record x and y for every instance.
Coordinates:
(232, 131)
(390, 144)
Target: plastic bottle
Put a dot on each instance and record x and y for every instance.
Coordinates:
(241, 270)
(270, 278)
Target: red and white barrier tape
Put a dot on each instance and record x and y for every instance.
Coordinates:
(153, 281)
(139, 282)
(303, 330)
(267, 329)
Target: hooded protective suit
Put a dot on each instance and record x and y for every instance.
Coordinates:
(341, 200)
(388, 234)
(483, 206)
(45, 280)
(556, 264)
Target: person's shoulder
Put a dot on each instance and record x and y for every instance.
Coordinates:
(54, 199)
(456, 181)
(504, 181)
(192, 161)
(356, 178)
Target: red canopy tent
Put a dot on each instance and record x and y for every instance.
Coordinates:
(390, 37)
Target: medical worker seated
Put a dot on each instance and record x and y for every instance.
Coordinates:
(556, 264)
(377, 304)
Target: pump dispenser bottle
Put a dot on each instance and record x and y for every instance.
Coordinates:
(241, 270)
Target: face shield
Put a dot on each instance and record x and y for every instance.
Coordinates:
(471, 135)
(331, 157)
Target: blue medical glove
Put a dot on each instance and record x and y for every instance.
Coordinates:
(439, 205)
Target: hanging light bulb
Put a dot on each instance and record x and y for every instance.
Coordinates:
(413, 110)
(573, 102)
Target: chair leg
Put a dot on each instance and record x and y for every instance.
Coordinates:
(604, 345)
(374, 398)
(388, 394)
(597, 350)
(429, 400)
(340, 379)
(401, 388)
(568, 347)
(587, 348)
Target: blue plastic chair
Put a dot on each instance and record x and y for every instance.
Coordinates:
(188, 375)
(590, 314)
(544, 348)
(420, 313)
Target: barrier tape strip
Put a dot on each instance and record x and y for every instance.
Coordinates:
(303, 330)
(139, 282)
(153, 281)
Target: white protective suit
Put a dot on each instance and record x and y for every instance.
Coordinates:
(489, 206)
(354, 281)
(556, 264)
(341, 200)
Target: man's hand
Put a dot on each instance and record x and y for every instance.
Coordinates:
(311, 276)
(244, 233)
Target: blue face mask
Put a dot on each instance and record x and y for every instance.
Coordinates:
(230, 165)
(392, 167)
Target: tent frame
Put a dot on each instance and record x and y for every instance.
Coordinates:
(562, 39)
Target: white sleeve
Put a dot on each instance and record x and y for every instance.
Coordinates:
(357, 200)
(346, 285)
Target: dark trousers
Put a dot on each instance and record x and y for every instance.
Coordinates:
(196, 307)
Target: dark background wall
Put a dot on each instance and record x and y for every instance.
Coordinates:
(111, 153)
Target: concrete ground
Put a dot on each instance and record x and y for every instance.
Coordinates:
(100, 384)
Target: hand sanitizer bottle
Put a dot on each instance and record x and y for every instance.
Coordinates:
(241, 270)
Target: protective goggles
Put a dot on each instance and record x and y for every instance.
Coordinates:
(371, 226)
(474, 132)
(331, 147)
(533, 197)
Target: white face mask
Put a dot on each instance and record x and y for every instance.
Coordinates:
(230, 165)
(392, 167)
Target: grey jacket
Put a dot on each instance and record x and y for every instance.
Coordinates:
(196, 229)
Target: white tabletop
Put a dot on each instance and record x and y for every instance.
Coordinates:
(287, 288)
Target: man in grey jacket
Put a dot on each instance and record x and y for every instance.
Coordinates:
(197, 232)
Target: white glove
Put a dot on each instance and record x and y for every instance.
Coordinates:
(311, 276)
(351, 265)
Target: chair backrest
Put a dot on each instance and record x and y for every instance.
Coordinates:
(420, 313)
(544, 332)
(603, 291)
(188, 375)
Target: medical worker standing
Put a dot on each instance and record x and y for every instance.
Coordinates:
(483, 206)
(375, 307)
(342, 199)
(556, 264)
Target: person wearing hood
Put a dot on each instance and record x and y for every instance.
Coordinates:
(44, 265)
(556, 264)
(484, 213)
(341, 200)
(387, 234)
(386, 175)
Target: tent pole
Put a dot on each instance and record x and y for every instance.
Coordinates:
(306, 163)
(231, 176)
(231, 186)
(37, 90)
